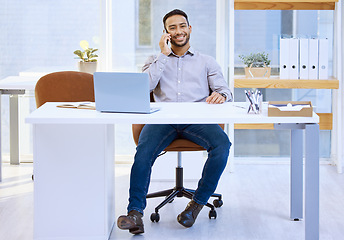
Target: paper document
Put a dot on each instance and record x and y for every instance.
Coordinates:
(79, 105)
(290, 107)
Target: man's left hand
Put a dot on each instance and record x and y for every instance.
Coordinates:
(215, 98)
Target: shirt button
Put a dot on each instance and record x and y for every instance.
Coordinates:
(160, 69)
(179, 93)
(179, 69)
(178, 81)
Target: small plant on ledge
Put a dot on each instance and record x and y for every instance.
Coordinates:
(256, 65)
(88, 62)
(256, 59)
(88, 54)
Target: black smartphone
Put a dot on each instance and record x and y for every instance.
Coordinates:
(165, 31)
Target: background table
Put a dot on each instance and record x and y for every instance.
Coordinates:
(14, 86)
(74, 160)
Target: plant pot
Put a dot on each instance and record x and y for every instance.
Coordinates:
(87, 67)
(257, 72)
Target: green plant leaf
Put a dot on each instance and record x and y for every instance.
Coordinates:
(79, 54)
(87, 55)
(94, 50)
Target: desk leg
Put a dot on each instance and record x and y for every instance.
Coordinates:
(14, 133)
(312, 182)
(296, 175)
(74, 181)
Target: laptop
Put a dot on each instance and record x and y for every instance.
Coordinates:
(122, 92)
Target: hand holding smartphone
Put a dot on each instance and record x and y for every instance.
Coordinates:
(163, 44)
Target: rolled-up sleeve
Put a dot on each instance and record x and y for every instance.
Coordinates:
(155, 66)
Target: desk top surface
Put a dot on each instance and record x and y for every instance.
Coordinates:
(169, 113)
(19, 83)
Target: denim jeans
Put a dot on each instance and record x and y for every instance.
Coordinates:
(154, 138)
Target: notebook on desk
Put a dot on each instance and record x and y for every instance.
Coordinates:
(122, 92)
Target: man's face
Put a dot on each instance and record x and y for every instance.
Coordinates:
(179, 29)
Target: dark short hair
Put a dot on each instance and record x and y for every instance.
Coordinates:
(175, 12)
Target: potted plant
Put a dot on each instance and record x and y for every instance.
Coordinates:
(88, 62)
(257, 65)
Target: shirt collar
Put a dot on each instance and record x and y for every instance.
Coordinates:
(191, 50)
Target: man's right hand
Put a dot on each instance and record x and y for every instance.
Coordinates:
(163, 43)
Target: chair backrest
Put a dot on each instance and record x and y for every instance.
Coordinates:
(67, 86)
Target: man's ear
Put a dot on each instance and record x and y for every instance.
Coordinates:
(190, 28)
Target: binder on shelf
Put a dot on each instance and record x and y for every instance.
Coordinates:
(284, 58)
(293, 58)
(303, 66)
(323, 58)
(313, 58)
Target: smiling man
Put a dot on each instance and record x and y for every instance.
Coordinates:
(179, 74)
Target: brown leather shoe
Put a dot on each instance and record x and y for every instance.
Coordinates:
(132, 222)
(188, 217)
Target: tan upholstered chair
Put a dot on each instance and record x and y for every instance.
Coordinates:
(68, 86)
(178, 145)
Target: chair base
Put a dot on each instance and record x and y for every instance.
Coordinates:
(180, 191)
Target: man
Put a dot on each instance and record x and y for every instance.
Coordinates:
(179, 74)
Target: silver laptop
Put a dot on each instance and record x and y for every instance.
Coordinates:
(122, 92)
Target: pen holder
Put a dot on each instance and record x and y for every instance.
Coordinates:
(254, 102)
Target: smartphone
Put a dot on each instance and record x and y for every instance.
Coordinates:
(165, 31)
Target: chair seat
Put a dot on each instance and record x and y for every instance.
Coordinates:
(180, 145)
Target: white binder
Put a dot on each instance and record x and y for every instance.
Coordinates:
(284, 58)
(313, 59)
(303, 58)
(323, 58)
(293, 58)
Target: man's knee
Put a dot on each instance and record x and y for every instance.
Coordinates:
(223, 141)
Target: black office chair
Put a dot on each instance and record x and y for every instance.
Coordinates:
(178, 145)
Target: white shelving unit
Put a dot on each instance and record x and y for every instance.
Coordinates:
(225, 56)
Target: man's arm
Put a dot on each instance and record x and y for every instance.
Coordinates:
(221, 93)
(155, 65)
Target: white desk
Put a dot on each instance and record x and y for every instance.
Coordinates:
(73, 164)
(14, 86)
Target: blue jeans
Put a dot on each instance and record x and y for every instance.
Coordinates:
(154, 138)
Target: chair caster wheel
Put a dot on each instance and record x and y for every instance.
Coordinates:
(212, 214)
(217, 203)
(155, 217)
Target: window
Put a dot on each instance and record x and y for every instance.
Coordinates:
(144, 23)
(40, 36)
